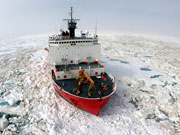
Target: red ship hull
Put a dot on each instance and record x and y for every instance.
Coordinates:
(91, 105)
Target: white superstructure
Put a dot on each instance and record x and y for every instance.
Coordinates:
(69, 54)
(74, 51)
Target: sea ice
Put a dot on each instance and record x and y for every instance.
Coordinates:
(13, 98)
(3, 123)
(146, 102)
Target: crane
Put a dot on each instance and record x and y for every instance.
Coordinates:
(83, 79)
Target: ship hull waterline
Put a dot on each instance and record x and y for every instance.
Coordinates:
(91, 105)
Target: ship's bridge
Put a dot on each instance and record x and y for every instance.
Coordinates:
(74, 41)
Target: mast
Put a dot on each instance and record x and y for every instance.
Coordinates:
(71, 24)
(71, 12)
(96, 28)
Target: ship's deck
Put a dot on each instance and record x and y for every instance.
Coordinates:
(75, 67)
(71, 84)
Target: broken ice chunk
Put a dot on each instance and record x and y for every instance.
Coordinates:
(3, 123)
(13, 98)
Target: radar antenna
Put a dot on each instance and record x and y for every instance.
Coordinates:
(72, 24)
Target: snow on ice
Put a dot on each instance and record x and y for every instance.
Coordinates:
(147, 100)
